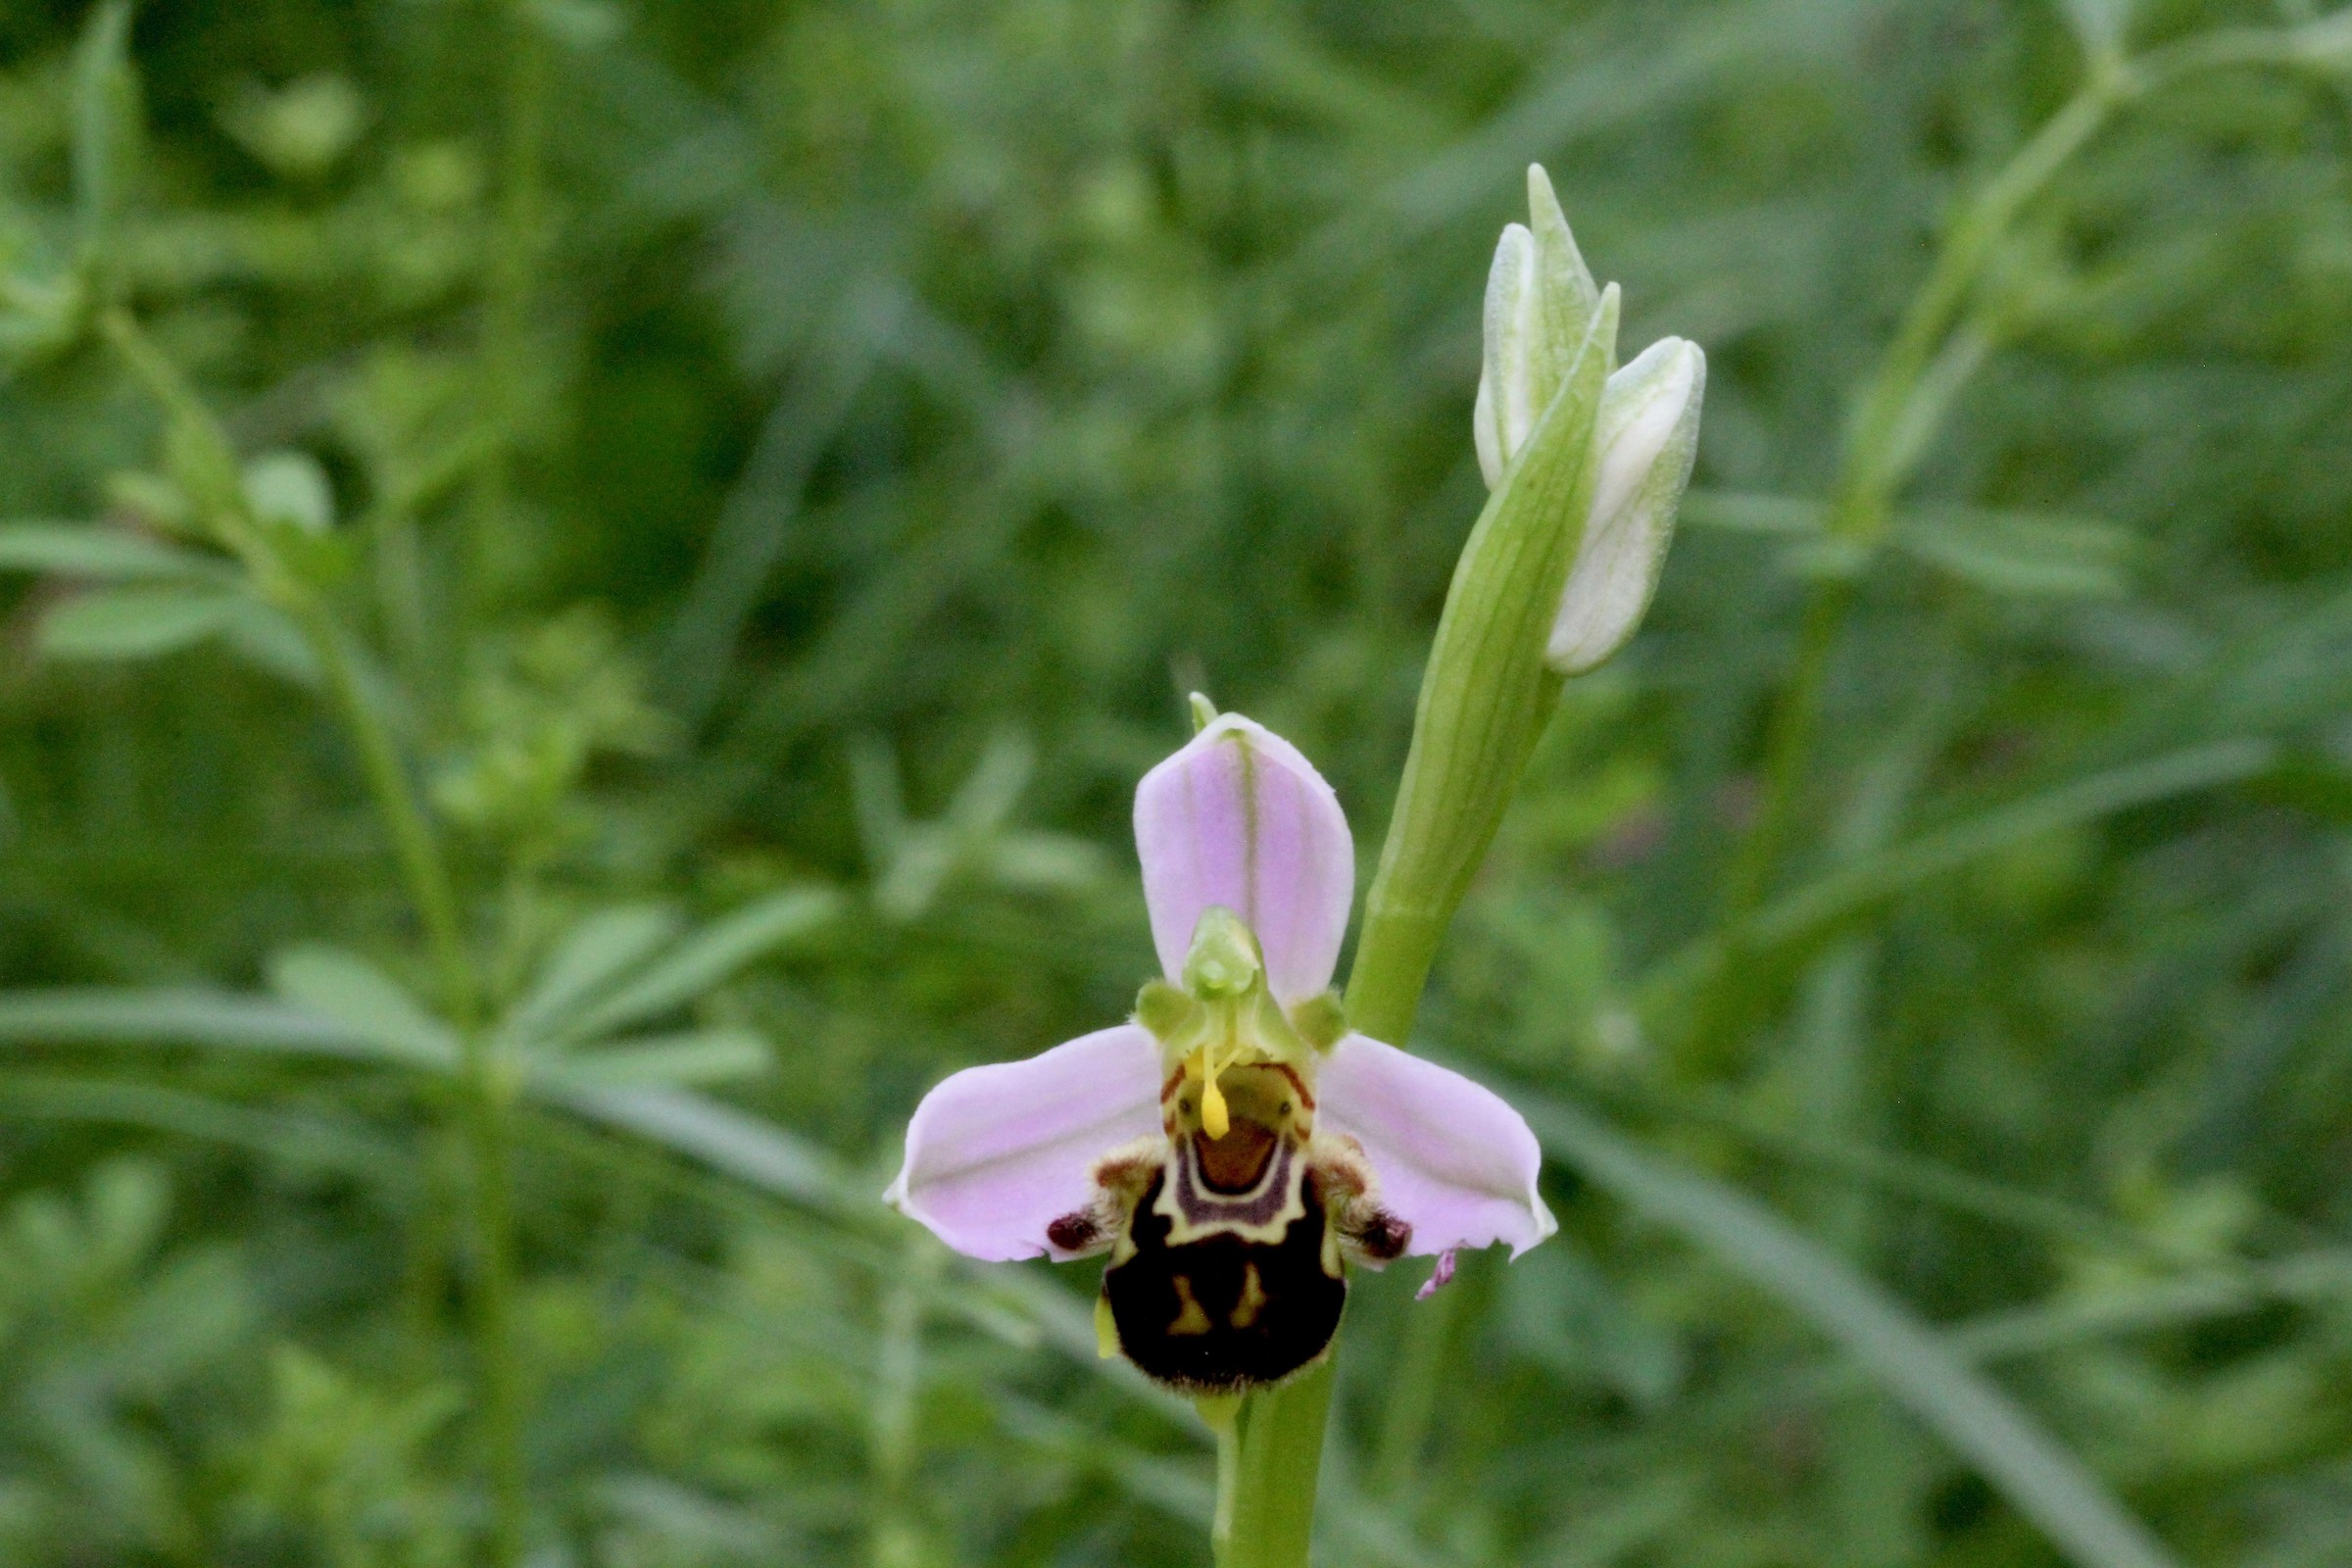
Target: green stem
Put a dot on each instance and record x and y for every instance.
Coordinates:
(1884, 442)
(510, 283)
(485, 1091)
(895, 1437)
(1416, 1390)
(422, 865)
(1228, 1428)
(1486, 697)
(490, 1141)
(1267, 1486)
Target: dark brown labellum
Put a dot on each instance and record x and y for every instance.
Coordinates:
(1222, 1311)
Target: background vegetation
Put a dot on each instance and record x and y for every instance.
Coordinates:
(592, 583)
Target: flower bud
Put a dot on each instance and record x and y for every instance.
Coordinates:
(1646, 439)
(1540, 300)
(1539, 304)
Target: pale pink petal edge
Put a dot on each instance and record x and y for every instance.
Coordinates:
(997, 1153)
(1452, 1158)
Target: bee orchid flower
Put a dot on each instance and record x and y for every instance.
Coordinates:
(1233, 1147)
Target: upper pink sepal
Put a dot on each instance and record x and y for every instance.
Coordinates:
(1453, 1159)
(997, 1153)
(1240, 818)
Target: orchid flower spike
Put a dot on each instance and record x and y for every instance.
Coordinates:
(1233, 1145)
(1540, 296)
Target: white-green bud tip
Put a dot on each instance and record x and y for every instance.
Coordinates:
(1645, 440)
(1540, 303)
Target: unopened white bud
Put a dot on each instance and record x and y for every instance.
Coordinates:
(1539, 304)
(1645, 441)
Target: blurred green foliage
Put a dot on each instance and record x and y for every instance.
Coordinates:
(771, 470)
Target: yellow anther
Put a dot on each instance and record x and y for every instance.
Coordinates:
(1215, 1121)
(1106, 1328)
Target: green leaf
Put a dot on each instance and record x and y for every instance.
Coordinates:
(356, 993)
(299, 1140)
(134, 622)
(2038, 1475)
(175, 1017)
(659, 1061)
(105, 122)
(593, 954)
(1739, 512)
(774, 1160)
(1812, 910)
(2100, 25)
(709, 955)
(98, 553)
(734, 1142)
(2022, 555)
(266, 638)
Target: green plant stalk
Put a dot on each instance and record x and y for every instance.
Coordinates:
(1881, 447)
(510, 283)
(1890, 427)
(1416, 1390)
(893, 1444)
(1888, 432)
(486, 1091)
(1485, 698)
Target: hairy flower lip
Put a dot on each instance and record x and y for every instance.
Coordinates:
(1237, 819)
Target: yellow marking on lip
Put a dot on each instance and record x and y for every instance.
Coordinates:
(1192, 1321)
(1106, 1329)
(1254, 1299)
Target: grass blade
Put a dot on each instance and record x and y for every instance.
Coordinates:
(2038, 1475)
(709, 955)
(659, 1061)
(179, 1017)
(1819, 907)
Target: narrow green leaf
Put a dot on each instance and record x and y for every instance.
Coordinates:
(2100, 25)
(709, 957)
(760, 1155)
(134, 622)
(593, 954)
(356, 993)
(266, 638)
(2038, 1475)
(659, 1061)
(298, 1139)
(105, 122)
(743, 1146)
(175, 1017)
(1739, 512)
(99, 554)
(2019, 554)
(1818, 908)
